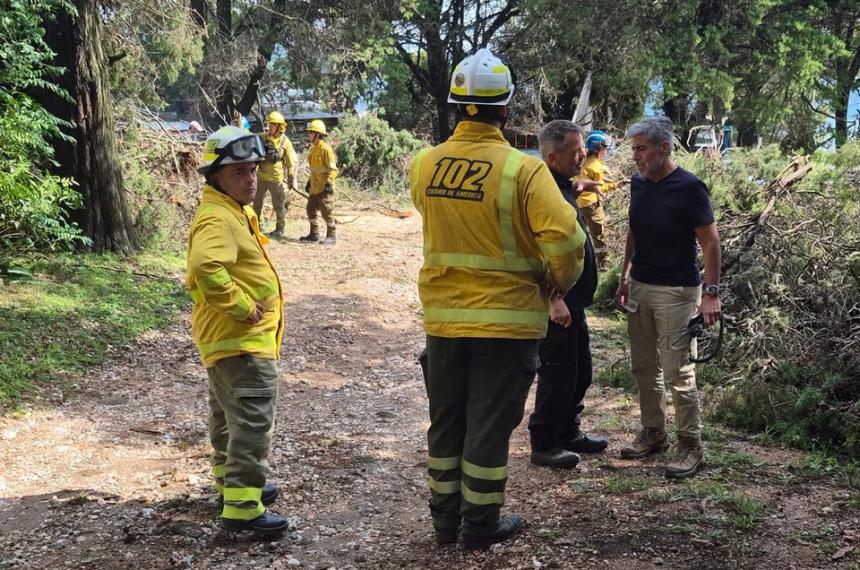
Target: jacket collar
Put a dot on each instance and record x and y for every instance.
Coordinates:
(243, 213)
(476, 131)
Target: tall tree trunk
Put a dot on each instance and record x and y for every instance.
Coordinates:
(439, 78)
(224, 13)
(198, 14)
(91, 158)
(678, 110)
(264, 54)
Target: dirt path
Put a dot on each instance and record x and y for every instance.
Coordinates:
(114, 473)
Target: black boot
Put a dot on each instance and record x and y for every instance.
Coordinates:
(446, 535)
(584, 443)
(330, 236)
(267, 524)
(503, 529)
(556, 457)
(313, 236)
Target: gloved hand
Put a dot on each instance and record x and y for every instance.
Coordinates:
(329, 189)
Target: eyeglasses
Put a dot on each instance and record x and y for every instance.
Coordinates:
(243, 149)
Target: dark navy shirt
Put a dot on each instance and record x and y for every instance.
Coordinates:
(663, 218)
(581, 294)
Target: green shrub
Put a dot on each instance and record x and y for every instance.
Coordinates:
(792, 352)
(33, 203)
(374, 154)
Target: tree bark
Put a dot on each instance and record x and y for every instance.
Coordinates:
(198, 14)
(224, 13)
(91, 157)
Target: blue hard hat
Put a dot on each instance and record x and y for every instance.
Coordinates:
(596, 140)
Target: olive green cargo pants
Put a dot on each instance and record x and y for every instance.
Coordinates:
(243, 392)
(280, 201)
(477, 389)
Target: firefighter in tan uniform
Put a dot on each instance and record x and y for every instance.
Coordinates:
(320, 186)
(590, 200)
(237, 323)
(277, 172)
(499, 238)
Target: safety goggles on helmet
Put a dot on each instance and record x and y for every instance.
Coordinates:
(243, 149)
(229, 145)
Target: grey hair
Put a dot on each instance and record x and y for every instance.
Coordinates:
(656, 129)
(552, 135)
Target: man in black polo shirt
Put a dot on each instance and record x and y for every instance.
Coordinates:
(660, 289)
(565, 355)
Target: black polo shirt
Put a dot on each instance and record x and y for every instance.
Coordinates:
(663, 217)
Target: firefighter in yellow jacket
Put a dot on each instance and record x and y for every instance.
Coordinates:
(498, 239)
(237, 323)
(590, 200)
(320, 186)
(277, 173)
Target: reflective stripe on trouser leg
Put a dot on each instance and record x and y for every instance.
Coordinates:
(500, 374)
(246, 388)
(218, 436)
(444, 368)
(443, 479)
(218, 475)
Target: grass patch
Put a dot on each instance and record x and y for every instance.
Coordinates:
(617, 375)
(550, 534)
(719, 456)
(580, 487)
(846, 472)
(75, 309)
(619, 485)
(744, 512)
(610, 423)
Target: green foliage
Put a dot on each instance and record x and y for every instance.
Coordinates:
(151, 44)
(33, 203)
(77, 308)
(792, 354)
(620, 485)
(374, 154)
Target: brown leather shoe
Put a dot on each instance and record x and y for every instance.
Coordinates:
(689, 460)
(649, 440)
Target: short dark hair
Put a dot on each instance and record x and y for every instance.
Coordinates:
(485, 112)
(552, 135)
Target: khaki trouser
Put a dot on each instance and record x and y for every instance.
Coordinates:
(323, 203)
(656, 318)
(243, 391)
(595, 218)
(280, 201)
(477, 389)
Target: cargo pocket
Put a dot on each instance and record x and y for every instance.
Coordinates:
(256, 406)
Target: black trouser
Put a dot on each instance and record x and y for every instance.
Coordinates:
(563, 378)
(477, 389)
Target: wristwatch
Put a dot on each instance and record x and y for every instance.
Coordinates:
(712, 290)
